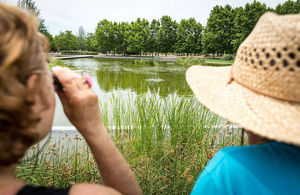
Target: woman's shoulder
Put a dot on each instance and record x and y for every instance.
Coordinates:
(262, 152)
(96, 189)
(260, 166)
(251, 157)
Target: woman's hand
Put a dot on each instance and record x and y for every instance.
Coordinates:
(80, 102)
(81, 106)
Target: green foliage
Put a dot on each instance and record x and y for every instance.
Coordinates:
(89, 42)
(137, 36)
(190, 61)
(51, 41)
(76, 52)
(227, 57)
(146, 62)
(166, 36)
(152, 44)
(189, 35)
(66, 41)
(29, 5)
(121, 44)
(218, 32)
(226, 29)
(57, 62)
(289, 7)
(245, 20)
(167, 143)
(105, 36)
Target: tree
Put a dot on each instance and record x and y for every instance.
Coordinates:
(137, 36)
(88, 42)
(29, 5)
(120, 30)
(245, 20)
(66, 41)
(104, 36)
(81, 38)
(289, 7)
(51, 41)
(189, 36)
(218, 33)
(166, 36)
(151, 45)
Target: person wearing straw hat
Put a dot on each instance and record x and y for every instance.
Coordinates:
(261, 93)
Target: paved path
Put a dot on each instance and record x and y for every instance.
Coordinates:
(73, 57)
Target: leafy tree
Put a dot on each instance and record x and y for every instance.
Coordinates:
(104, 36)
(152, 45)
(245, 20)
(218, 33)
(51, 41)
(120, 30)
(289, 7)
(189, 36)
(166, 36)
(88, 42)
(137, 36)
(66, 41)
(29, 5)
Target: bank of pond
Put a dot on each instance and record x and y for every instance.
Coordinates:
(167, 143)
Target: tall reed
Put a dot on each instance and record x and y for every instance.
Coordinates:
(167, 142)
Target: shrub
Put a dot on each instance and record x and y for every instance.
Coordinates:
(190, 61)
(227, 57)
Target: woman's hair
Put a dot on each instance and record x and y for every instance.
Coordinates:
(22, 53)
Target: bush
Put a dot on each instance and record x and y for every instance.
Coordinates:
(227, 57)
(79, 53)
(190, 61)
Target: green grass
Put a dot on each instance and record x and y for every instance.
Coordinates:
(219, 61)
(62, 63)
(190, 61)
(167, 143)
(196, 61)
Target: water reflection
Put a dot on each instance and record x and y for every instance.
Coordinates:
(144, 79)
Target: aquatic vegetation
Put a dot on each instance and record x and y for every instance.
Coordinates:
(190, 61)
(147, 62)
(56, 62)
(166, 141)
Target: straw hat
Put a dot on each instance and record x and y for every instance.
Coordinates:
(261, 90)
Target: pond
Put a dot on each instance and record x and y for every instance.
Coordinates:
(129, 78)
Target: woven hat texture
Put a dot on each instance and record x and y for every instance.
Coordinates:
(261, 90)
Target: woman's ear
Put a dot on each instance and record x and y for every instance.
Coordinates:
(31, 81)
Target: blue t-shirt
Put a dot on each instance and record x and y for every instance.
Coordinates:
(270, 168)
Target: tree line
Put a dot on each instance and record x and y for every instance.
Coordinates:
(225, 30)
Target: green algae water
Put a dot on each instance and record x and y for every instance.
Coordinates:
(129, 78)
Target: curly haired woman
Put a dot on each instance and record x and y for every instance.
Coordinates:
(27, 105)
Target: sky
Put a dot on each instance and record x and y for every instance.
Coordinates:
(61, 15)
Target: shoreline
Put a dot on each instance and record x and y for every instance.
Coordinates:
(162, 58)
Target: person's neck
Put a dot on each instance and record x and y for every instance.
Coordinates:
(8, 183)
(254, 139)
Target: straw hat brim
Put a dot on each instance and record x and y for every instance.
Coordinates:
(268, 117)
